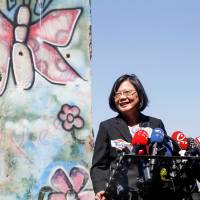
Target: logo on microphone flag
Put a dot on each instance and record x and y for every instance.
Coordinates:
(121, 144)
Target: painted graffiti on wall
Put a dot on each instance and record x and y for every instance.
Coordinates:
(25, 49)
(67, 186)
(45, 100)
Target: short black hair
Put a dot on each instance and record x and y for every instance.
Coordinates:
(143, 99)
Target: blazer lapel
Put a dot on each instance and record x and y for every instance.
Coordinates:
(144, 121)
(123, 128)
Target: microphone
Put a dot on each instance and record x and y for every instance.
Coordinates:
(157, 136)
(189, 170)
(197, 139)
(140, 137)
(169, 148)
(162, 142)
(156, 139)
(193, 147)
(189, 147)
(194, 150)
(139, 141)
(181, 139)
(192, 166)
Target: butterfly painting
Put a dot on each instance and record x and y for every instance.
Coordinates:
(26, 47)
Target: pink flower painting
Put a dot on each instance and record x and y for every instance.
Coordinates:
(69, 116)
(70, 119)
(72, 186)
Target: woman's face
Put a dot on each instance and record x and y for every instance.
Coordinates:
(126, 98)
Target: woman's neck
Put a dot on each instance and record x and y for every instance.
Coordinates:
(132, 118)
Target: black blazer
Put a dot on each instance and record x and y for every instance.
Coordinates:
(104, 154)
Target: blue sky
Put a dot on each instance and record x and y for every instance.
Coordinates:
(159, 41)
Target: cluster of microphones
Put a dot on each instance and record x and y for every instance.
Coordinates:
(173, 160)
(156, 137)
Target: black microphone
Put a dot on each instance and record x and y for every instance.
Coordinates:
(193, 147)
(194, 150)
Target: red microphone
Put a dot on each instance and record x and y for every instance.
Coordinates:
(140, 137)
(141, 152)
(139, 142)
(181, 139)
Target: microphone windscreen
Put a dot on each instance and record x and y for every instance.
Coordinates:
(157, 135)
(191, 143)
(181, 139)
(178, 136)
(183, 144)
(140, 138)
(197, 139)
(193, 147)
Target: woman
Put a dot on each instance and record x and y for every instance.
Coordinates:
(128, 99)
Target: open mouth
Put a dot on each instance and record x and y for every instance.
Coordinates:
(124, 104)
